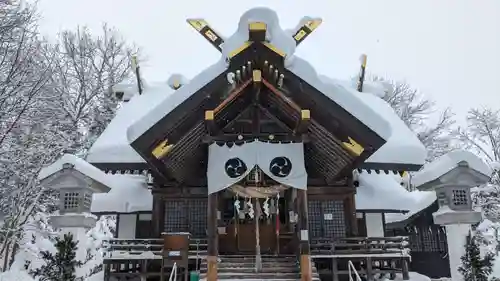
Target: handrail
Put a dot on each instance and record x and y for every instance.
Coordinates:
(173, 273)
(352, 269)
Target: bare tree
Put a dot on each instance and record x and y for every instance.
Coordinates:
(24, 69)
(87, 66)
(481, 134)
(52, 98)
(418, 112)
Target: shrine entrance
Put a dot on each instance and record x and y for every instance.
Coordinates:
(253, 225)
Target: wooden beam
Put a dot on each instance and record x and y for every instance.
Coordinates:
(232, 96)
(303, 125)
(306, 29)
(162, 149)
(210, 122)
(207, 32)
(304, 138)
(257, 31)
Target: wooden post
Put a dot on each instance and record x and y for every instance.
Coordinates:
(158, 215)
(404, 269)
(212, 238)
(335, 268)
(303, 227)
(369, 270)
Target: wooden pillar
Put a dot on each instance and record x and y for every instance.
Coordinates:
(158, 215)
(213, 240)
(303, 228)
(369, 270)
(404, 268)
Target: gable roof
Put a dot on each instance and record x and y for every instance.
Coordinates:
(112, 146)
(403, 146)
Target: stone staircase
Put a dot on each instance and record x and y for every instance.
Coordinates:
(280, 268)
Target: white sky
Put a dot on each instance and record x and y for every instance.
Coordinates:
(449, 49)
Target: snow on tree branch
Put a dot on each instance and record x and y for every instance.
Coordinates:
(419, 112)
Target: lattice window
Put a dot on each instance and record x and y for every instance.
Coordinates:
(415, 240)
(335, 227)
(175, 216)
(429, 240)
(315, 218)
(197, 215)
(443, 244)
(87, 200)
(71, 200)
(460, 197)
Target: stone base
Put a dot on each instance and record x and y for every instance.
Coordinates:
(73, 221)
(456, 217)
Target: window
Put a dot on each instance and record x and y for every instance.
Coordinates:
(71, 200)
(460, 198)
(442, 200)
(87, 201)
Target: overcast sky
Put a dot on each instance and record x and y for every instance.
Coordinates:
(449, 49)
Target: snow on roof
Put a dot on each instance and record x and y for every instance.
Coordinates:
(351, 102)
(129, 194)
(274, 33)
(141, 124)
(381, 192)
(80, 165)
(112, 145)
(403, 145)
(384, 192)
(418, 200)
(448, 162)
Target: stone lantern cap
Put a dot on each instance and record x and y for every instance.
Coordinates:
(456, 168)
(83, 174)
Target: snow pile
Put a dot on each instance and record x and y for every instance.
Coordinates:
(418, 202)
(381, 192)
(177, 80)
(130, 193)
(78, 164)
(274, 34)
(448, 162)
(112, 145)
(15, 275)
(93, 245)
(36, 241)
(413, 277)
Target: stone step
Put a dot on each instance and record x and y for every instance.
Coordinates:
(250, 265)
(259, 276)
(245, 263)
(252, 269)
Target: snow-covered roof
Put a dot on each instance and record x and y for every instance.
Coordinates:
(78, 164)
(448, 162)
(381, 192)
(384, 192)
(417, 201)
(163, 107)
(283, 41)
(112, 145)
(276, 36)
(403, 145)
(129, 194)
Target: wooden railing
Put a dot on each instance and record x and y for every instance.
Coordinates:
(359, 246)
(147, 248)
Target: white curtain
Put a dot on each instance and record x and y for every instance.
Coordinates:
(283, 162)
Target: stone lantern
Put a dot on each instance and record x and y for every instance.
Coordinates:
(75, 181)
(452, 176)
